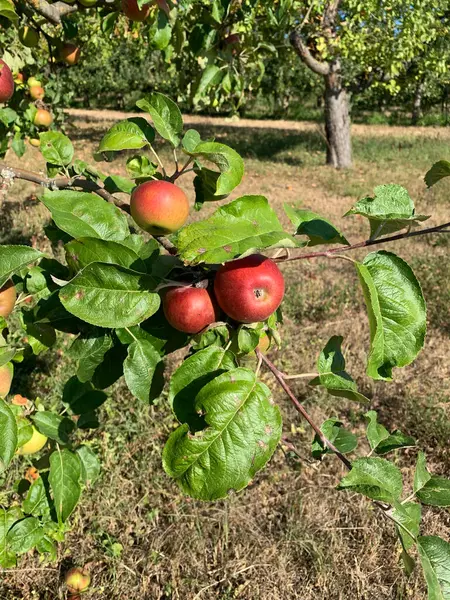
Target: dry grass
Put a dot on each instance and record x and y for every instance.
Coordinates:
(290, 535)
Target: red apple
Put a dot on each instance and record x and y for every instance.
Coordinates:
(43, 118)
(37, 92)
(6, 375)
(77, 580)
(159, 207)
(133, 12)
(189, 309)
(249, 289)
(70, 53)
(6, 82)
(7, 299)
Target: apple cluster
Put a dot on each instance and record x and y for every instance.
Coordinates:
(247, 290)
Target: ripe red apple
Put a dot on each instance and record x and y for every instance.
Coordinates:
(189, 309)
(131, 9)
(37, 92)
(159, 207)
(77, 580)
(249, 289)
(70, 53)
(28, 36)
(7, 299)
(6, 376)
(6, 82)
(43, 118)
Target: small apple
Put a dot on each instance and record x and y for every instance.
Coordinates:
(18, 78)
(8, 297)
(6, 376)
(19, 400)
(43, 118)
(189, 309)
(70, 53)
(77, 580)
(37, 92)
(31, 474)
(87, 3)
(159, 207)
(6, 82)
(32, 82)
(131, 9)
(36, 443)
(28, 36)
(36, 142)
(249, 289)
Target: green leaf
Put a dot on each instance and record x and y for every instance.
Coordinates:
(139, 368)
(24, 535)
(228, 161)
(317, 228)
(117, 183)
(65, 473)
(191, 140)
(83, 398)
(140, 166)
(90, 351)
(37, 501)
(166, 116)
(193, 374)
(247, 339)
(409, 515)
(110, 296)
(239, 228)
(86, 215)
(54, 426)
(56, 148)
(345, 441)
(421, 475)
(6, 355)
(435, 558)
(205, 184)
(7, 10)
(437, 172)
(8, 435)
(376, 478)
(435, 492)
(375, 432)
(332, 374)
(7, 519)
(161, 31)
(130, 134)
(210, 76)
(397, 313)
(243, 431)
(84, 251)
(14, 258)
(390, 210)
(24, 431)
(90, 465)
(396, 440)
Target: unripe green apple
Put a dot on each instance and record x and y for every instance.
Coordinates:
(70, 53)
(133, 12)
(249, 289)
(7, 299)
(36, 443)
(43, 118)
(190, 309)
(28, 36)
(32, 81)
(37, 92)
(77, 580)
(6, 82)
(6, 376)
(159, 207)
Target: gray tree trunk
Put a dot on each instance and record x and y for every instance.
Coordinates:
(417, 104)
(337, 123)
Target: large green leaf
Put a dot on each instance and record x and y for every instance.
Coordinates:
(435, 558)
(8, 435)
(7, 10)
(332, 374)
(193, 374)
(317, 228)
(54, 426)
(139, 368)
(64, 478)
(243, 430)
(437, 172)
(7, 520)
(86, 215)
(89, 350)
(375, 432)
(83, 251)
(56, 148)
(376, 478)
(90, 464)
(37, 501)
(408, 515)
(14, 258)
(166, 116)
(421, 474)
(210, 76)
(110, 296)
(83, 398)
(397, 313)
(24, 535)
(228, 161)
(391, 209)
(435, 492)
(345, 441)
(241, 227)
(130, 134)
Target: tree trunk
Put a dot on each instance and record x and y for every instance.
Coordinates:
(417, 104)
(337, 123)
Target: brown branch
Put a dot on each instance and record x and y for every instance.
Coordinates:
(52, 12)
(321, 68)
(299, 407)
(367, 243)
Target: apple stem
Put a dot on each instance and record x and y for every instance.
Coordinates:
(159, 160)
(180, 172)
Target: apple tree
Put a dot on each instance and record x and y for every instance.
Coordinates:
(129, 289)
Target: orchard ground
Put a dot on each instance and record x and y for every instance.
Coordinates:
(290, 535)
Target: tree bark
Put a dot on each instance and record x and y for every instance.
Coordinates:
(417, 104)
(337, 122)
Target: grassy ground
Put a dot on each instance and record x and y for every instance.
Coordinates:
(290, 535)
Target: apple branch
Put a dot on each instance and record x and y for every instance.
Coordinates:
(317, 66)
(443, 228)
(52, 12)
